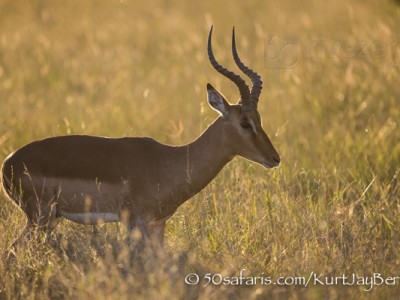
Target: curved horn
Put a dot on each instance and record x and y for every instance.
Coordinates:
(255, 78)
(239, 81)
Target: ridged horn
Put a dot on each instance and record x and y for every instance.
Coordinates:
(255, 78)
(239, 81)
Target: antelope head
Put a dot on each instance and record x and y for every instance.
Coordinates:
(242, 121)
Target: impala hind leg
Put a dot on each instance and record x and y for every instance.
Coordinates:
(39, 204)
(31, 231)
(10, 253)
(25, 235)
(41, 220)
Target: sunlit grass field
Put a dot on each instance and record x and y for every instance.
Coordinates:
(330, 104)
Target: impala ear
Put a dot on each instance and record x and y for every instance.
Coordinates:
(217, 101)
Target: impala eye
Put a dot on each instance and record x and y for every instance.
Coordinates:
(245, 125)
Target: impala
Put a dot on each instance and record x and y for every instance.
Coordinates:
(135, 180)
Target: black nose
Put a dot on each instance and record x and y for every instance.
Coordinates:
(276, 159)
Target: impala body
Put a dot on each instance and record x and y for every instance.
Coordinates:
(137, 181)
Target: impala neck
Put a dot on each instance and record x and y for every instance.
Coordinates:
(206, 156)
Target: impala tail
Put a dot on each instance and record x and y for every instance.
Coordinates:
(6, 180)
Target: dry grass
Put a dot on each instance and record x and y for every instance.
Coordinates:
(330, 104)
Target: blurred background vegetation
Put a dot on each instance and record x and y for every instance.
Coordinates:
(330, 104)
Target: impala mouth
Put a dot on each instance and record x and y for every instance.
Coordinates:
(269, 165)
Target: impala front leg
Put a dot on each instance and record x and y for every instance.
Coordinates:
(147, 236)
(137, 234)
(156, 234)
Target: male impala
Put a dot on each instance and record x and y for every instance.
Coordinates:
(137, 181)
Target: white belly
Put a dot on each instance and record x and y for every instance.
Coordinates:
(84, 201)
(90, 218)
